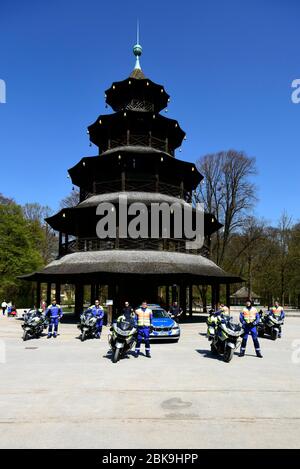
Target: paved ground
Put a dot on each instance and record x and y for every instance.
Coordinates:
(66, 394)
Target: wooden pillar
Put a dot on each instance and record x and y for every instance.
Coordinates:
(204, 298)
(112, 296)
(183, 298)
(167, 145)
(57, 292)
(66, 242)
(93, 293)
(182, 189)
(174, 293)
(213, 296)
(48, 298)
(217, 294)
(123, 176)
(167, 296)
(78, 298)
(228, 295)
(128, 137)
(190, 300)
(38, 294)
(97, 289)
(60, 243)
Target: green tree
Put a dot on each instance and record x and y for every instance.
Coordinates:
(44, 236)
(19, 253)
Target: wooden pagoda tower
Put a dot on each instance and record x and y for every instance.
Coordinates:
(136, 157)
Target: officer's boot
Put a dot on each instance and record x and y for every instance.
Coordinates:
(257, 348)
(243, 348)
(148, 355)
(49, 335)
(137, 353)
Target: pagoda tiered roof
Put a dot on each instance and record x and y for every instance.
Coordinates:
(138, 92)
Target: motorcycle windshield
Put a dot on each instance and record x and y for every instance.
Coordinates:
(125, 326)
(87, 315)
(234, 326)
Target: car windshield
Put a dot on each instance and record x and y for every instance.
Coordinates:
(159, 313)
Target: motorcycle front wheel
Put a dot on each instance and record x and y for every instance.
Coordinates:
(213, 349)
(25, 335)
(83, 336)
(116, 355)
(228, 354)
(274, 335)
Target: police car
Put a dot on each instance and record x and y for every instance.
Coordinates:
(163, 326)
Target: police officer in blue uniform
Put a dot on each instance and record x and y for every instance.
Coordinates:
(144, 323)
(277, 312)
(249, 318)
(98, 312)
(54, 313)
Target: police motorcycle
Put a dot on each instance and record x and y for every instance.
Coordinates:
(270, 326)
(122, 337)
(87, 325)
(226, 336)
(34, 324)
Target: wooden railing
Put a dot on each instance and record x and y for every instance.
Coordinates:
(141, 141)
(138, 185)
(144, 244)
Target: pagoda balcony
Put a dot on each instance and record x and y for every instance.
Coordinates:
(130, 139)
(137, 185)
(148, 244)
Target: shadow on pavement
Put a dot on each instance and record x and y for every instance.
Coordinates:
(128, 356)
(206, 353)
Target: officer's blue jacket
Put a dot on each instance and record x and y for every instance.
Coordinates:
(98, 312)
(54, 312)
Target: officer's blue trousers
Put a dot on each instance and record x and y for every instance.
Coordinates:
(143, 334)
(99, 325)
(253, 331)
(53, 323)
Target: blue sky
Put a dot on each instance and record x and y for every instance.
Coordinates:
(228, 66)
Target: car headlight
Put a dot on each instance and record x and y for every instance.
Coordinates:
(175, 327)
